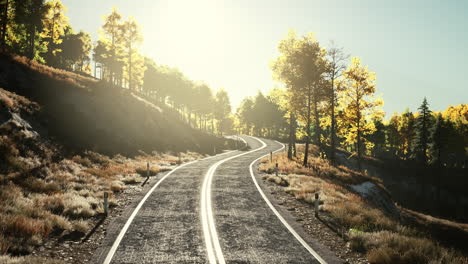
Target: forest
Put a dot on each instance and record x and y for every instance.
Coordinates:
(40, 31)
(330, 100)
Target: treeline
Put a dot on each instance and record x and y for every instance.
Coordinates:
(436, 138)
(262, 116)
(330, 101)
(40, 30)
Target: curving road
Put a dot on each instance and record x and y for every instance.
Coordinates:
(211, 211)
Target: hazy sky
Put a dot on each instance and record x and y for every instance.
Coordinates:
(416, 48)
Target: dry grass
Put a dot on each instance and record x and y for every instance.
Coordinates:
(389, 247)
(6, 101)
(316, 167)
(382, 238)
(57, 74)
(28, 260)
(66, 194)
(15, 102)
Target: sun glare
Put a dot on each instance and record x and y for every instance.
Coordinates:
(192, 31)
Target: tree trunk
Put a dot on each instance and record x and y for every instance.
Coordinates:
(317, 125)
(4, 26)
(306, 151)
(32, 36)
(291, 137)
(358, 134)
(332, 130)
(130, 83)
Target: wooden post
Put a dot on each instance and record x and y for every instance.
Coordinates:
(106, 203)
(276, 169)
(271, 156)
(316, 204)
(147, 170)
(180, 159)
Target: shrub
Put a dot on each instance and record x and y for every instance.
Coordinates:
(83, 161)
(41, 186)
(81, 226)
(153, 170)
(131, 178)
(76, 206)
(54, 203)
(116, 186)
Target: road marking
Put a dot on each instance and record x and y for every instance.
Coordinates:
(291, 230)
(215, 254)
(117, 241)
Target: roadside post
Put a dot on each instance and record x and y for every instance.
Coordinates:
(106, 203)
(316, 205)
(180, 159)
(271, 156)
(147, 170)
(276, 169)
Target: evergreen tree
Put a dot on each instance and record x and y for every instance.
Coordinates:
(422, 137)
(439, 141)
(131, 38)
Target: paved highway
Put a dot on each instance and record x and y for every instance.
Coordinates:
(211, 211)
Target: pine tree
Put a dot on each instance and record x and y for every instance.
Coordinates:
(439, 141)
(131, 38)
(112, 30)
(422, 137)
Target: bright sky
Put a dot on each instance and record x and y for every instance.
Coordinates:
(417, 48)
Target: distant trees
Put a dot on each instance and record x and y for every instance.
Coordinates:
(262, 116)
(222, 109)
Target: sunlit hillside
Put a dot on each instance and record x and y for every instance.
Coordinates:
(87, 114)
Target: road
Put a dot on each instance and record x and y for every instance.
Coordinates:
(211, 211)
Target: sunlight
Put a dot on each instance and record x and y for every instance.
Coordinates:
(196, 23)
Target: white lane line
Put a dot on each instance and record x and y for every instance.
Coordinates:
(215, 254)
(291, 230)
(117, 241)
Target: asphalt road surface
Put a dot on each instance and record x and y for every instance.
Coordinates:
(211, 211)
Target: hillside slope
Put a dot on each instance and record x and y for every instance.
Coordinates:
(87, 114)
